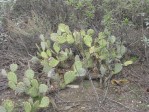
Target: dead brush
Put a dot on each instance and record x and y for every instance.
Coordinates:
(28, 26)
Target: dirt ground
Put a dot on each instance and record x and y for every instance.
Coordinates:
(130, 97)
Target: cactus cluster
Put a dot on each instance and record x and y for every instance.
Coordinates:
(103, 52)
(30, 86)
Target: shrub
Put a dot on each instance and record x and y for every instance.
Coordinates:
(81, 11)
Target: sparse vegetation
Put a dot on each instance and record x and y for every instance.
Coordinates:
(50, 45)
